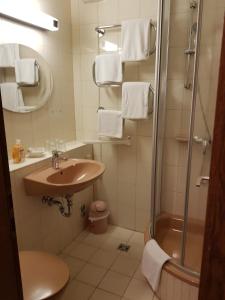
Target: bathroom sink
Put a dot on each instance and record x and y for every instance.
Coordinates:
(73, 176)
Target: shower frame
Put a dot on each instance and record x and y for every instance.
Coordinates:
(162, 51)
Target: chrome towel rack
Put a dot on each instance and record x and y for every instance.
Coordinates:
(102, 29)
(37, 83)
(106, 83)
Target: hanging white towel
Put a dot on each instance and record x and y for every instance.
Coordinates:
(12, 97)
(135, 40)
(110, 123)
(135, 100)
(8, 54)
(26, 71)
(152, 262)
(108, 68)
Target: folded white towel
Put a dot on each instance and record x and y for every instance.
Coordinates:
(12, 97)
(135, 39)
(8, 54)
(152, 262)
(135, 100)
(108, 67)
(26, 71)
(110, 123)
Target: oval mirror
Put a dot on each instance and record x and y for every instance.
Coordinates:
(26, 80)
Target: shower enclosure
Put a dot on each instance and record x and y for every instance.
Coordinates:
(183, 123)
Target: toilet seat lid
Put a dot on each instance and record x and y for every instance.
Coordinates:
(43, 275)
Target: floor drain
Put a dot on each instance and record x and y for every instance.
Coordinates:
(124, 247)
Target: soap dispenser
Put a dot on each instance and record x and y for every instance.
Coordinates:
(18, 153)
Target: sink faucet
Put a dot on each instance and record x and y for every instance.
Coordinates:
(56, 158)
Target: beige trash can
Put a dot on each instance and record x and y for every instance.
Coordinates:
(98, 217)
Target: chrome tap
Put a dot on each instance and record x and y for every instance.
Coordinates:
(56, 158)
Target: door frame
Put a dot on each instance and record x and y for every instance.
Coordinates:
(212, 281)
(10, 279)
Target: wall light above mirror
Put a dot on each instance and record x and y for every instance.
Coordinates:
(16, 11)
(26, 80)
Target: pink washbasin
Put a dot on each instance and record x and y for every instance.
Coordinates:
(73, 176)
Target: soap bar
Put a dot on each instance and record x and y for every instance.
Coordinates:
(35, 152)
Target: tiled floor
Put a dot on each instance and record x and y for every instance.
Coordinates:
(99, 271)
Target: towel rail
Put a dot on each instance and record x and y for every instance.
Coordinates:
(106, 83)
(101, 31)
(36, 83)
(151, 90)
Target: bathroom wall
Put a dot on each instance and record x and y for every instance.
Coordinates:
(125, 185)
(56, 119)
(179, 106)
(40, 227)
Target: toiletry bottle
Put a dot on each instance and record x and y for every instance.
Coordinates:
(18, 153)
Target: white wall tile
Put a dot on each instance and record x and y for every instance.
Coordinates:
(129, 9)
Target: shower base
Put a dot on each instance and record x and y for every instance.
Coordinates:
(169, 237)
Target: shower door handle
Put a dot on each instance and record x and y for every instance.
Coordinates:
(201, 180)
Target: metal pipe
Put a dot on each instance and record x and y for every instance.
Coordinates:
(190, 51)
(101, 31)
(191, 130)
(52, 201)
(106, 83)
(156, 118)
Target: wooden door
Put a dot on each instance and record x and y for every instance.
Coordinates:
(212, 283)
(10, 280)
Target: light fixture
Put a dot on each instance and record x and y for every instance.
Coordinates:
(89, 1)
(28, 16)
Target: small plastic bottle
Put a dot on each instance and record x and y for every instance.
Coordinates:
(18, 153)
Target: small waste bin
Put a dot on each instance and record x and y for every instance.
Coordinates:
(98, 217)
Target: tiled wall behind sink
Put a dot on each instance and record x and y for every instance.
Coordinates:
(40, 227)
(126, 183)
(57, 118)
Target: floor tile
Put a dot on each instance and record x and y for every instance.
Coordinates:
(111, 244)
(95, 240)
(82, 236)
(75, 265)
(102, 295)
(135, 251)
(138, 274)
(115, 283)
(121, 233)
(125, 265)
(91, 275)
(104, 258)
(137, 238)
(81, 251)
(70, 247)
(77, 290)
(138, 289)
